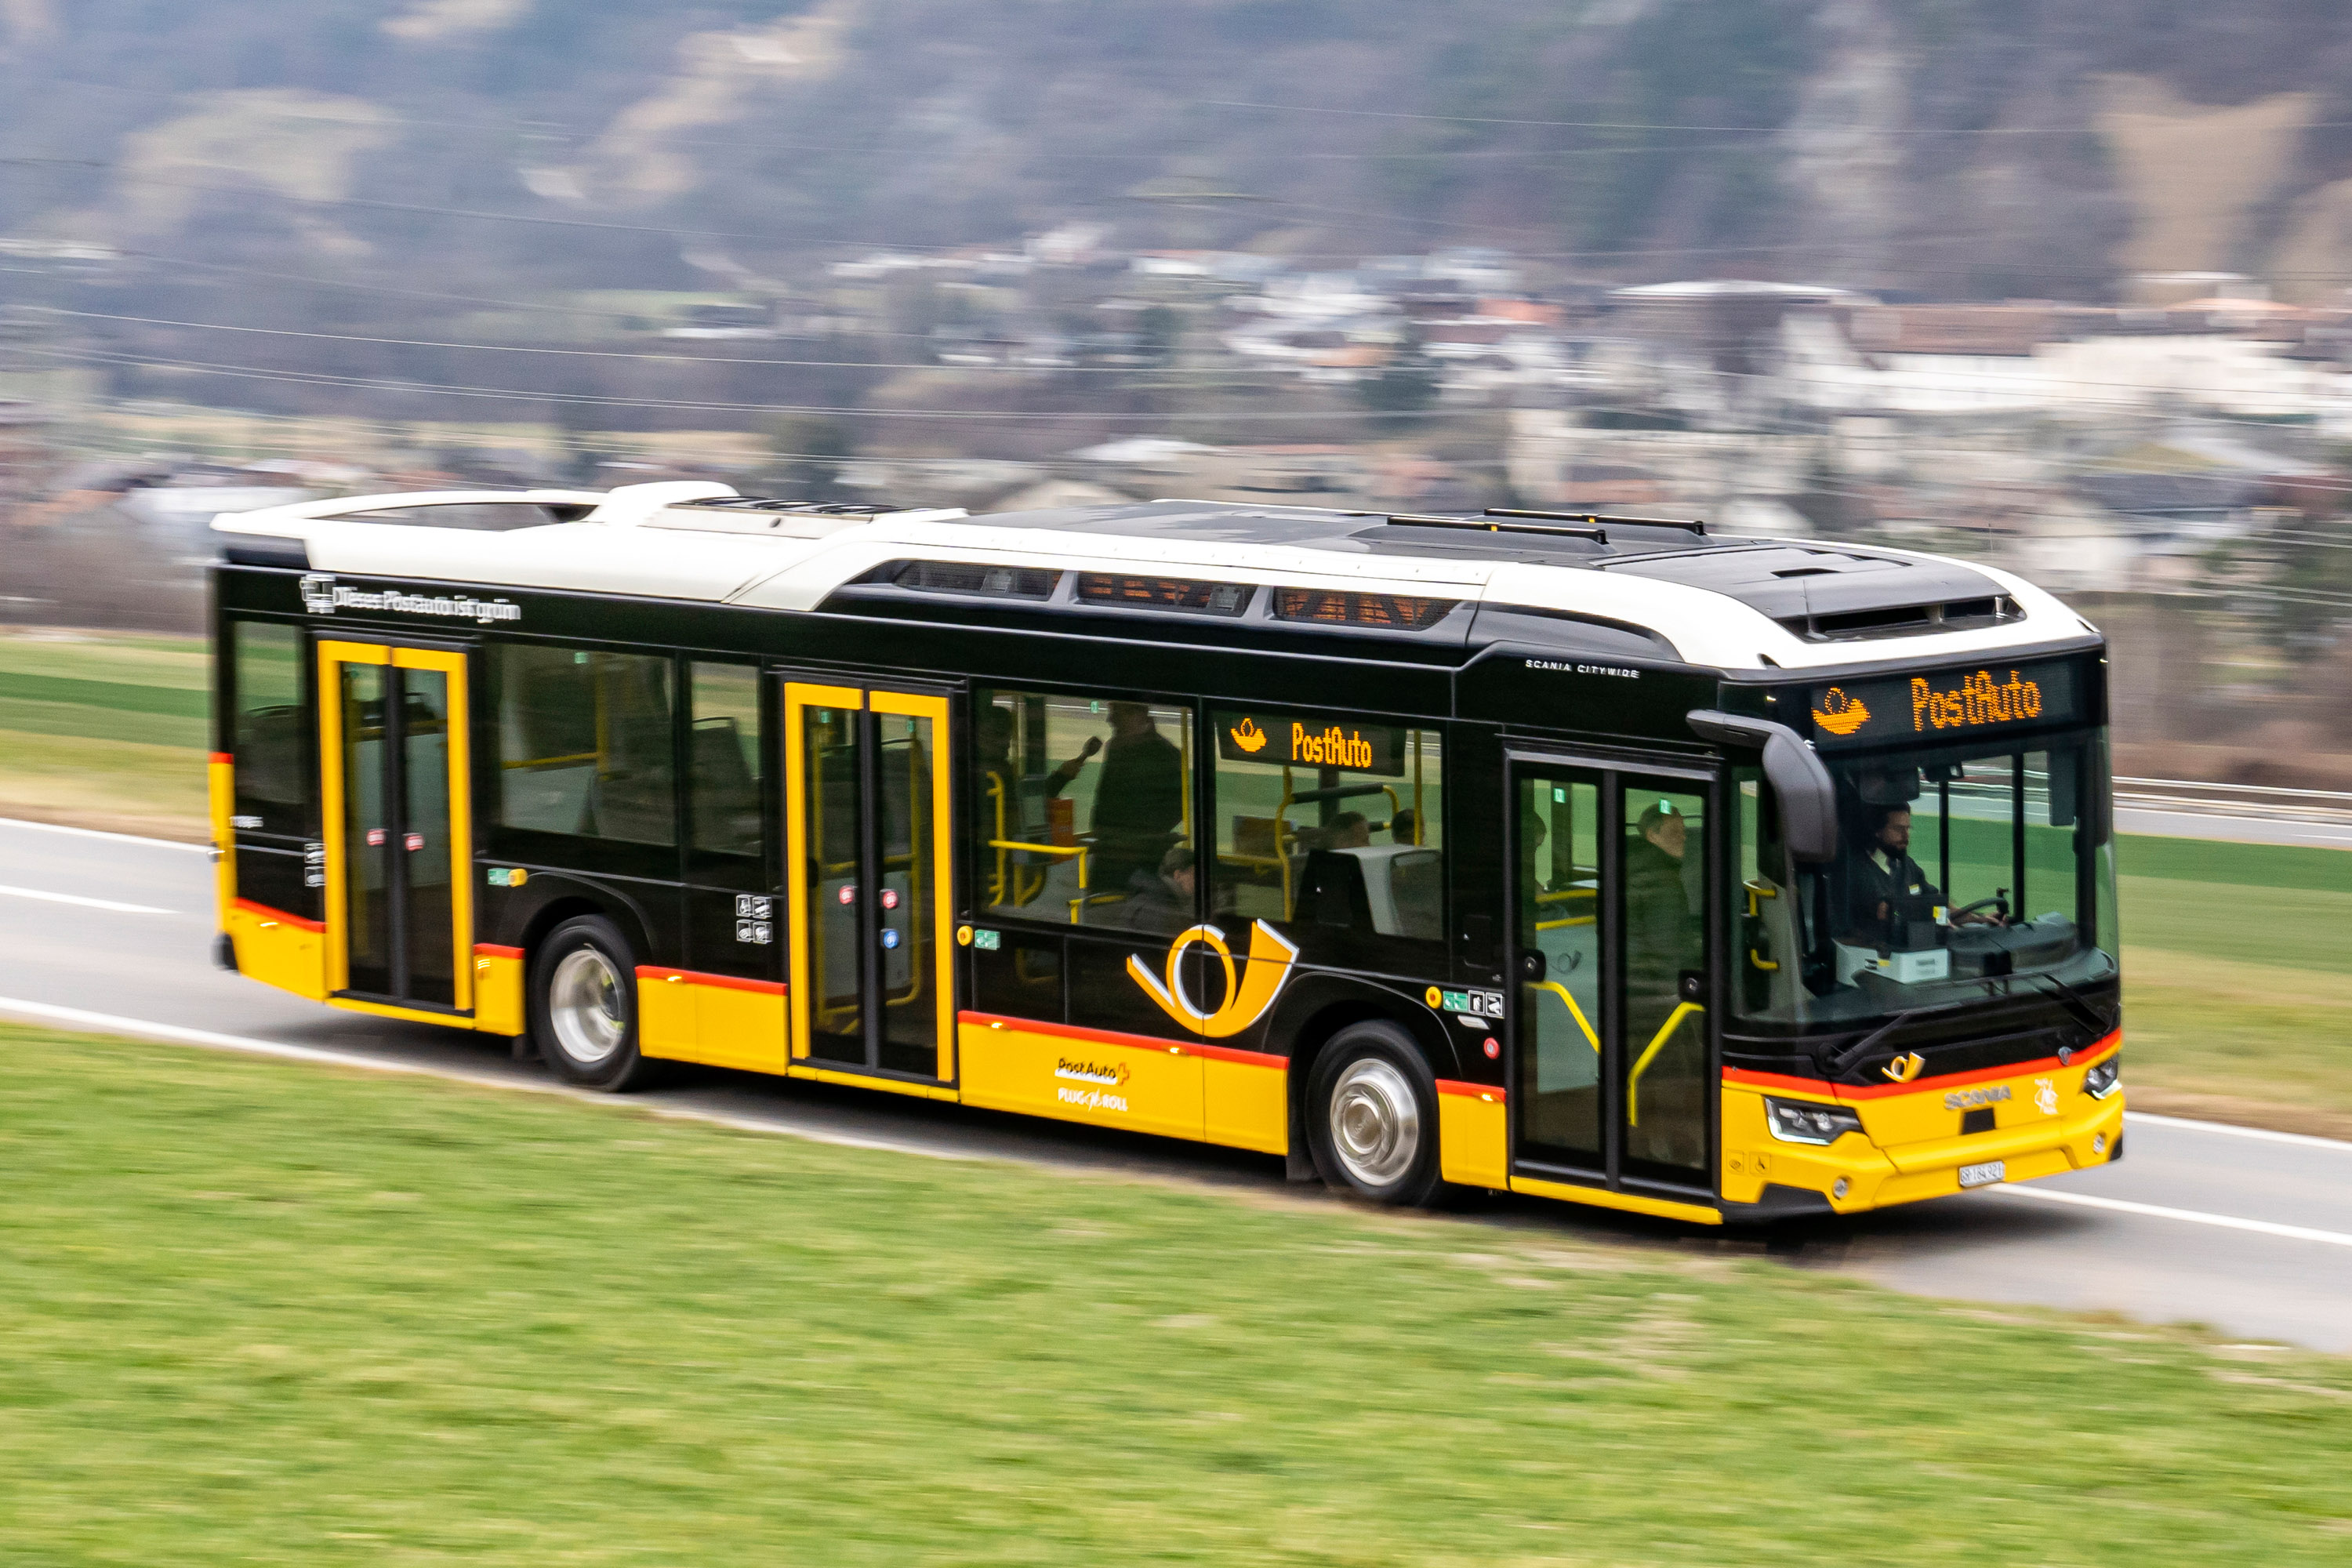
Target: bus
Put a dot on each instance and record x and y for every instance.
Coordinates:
(1610, 859)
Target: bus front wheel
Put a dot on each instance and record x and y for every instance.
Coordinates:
(583, 1006)
(1373, 1116)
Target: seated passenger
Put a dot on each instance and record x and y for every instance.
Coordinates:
(1348, 830)
(1161, 900)
(1402, 826)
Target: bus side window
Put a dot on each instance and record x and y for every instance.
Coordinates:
(1082, 810)
(724, 756)
(1351, 849)
(585, 743)
(273, 776)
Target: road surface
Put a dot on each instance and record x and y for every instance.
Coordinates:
(2246, 1231)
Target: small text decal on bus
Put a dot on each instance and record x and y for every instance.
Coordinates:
(323, 595)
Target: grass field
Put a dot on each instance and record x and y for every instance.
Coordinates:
(2237, 962)
(109, 731)
(260, 1313)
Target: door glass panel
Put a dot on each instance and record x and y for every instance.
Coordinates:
(904, 759)
(1559, 936)
(424, 849)
(368, 847)
(1664, 1035)
(835, 916)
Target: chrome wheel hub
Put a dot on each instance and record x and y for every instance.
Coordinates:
(583, 1003)
(1375, 1123)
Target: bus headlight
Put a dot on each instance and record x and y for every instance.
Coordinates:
(1802, 1121)
(2104, 1080)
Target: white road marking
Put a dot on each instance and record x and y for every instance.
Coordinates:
(140, 1029)
(119, 908)
(2302, 1139)
(94, 833)
(2156, 1210)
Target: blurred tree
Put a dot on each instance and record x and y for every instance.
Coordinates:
(809, 453)
(1407, 384)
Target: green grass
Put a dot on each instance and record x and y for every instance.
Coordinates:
(2238, 975)
(104, 729)
(258, 1313)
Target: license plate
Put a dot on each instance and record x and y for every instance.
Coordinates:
(1984, 1175)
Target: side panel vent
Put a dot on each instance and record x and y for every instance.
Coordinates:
(1389, 612)
(1117, 588)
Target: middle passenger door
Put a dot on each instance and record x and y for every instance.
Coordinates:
(869, 874)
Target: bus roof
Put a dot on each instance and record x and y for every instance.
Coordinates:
(1727, 602)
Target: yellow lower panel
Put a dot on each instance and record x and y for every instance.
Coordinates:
(864, 1081)
(666, 1013)
(1603, 1198)
(738, 1028)
(497, 995)
(1246, 1105)
(1474, 1139)
(393, 1010)
(1143, 1089)
(278, 952)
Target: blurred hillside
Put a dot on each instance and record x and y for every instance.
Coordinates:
(1959, 148)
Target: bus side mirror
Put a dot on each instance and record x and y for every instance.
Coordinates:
(1807, 798)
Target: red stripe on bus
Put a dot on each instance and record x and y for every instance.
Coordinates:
(1140, 1042)
(1492, 1091)
(722, 981)
(249, 906)
(1234, 1054)
(2090, 1055)
(492, 950)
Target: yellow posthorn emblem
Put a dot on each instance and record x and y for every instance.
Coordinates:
(1248, 736)
(1247, 995)
(1841, 715)
(1904, 1068)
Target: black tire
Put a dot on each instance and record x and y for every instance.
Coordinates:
(583, 1006)
(1372, 1116)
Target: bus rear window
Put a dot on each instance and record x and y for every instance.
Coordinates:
(273, 775)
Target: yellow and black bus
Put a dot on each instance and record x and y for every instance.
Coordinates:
(1605, 859)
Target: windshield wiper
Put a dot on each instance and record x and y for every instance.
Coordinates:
(2073, 1001)
(1845, 1059)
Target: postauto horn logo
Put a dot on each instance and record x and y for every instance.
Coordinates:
(1247, 994)
(1248, 736)
(1841, 715)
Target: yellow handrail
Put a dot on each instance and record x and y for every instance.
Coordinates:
(1567, 920)
(1556, 989)
(1657, 1044)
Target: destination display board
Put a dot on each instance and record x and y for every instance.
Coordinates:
(1953, 704)
(1306, 741)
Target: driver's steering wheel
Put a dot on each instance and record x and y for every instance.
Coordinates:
(2000, 898)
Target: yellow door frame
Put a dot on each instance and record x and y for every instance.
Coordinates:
(332, 788)
(800, 696)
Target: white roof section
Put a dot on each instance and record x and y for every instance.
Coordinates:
(679, 541)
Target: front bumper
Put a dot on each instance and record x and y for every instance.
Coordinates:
(1910, 1147)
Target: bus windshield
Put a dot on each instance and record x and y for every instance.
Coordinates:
(1974, 869)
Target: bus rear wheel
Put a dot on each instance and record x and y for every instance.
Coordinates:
(583, 1006)
(1373, 1116)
